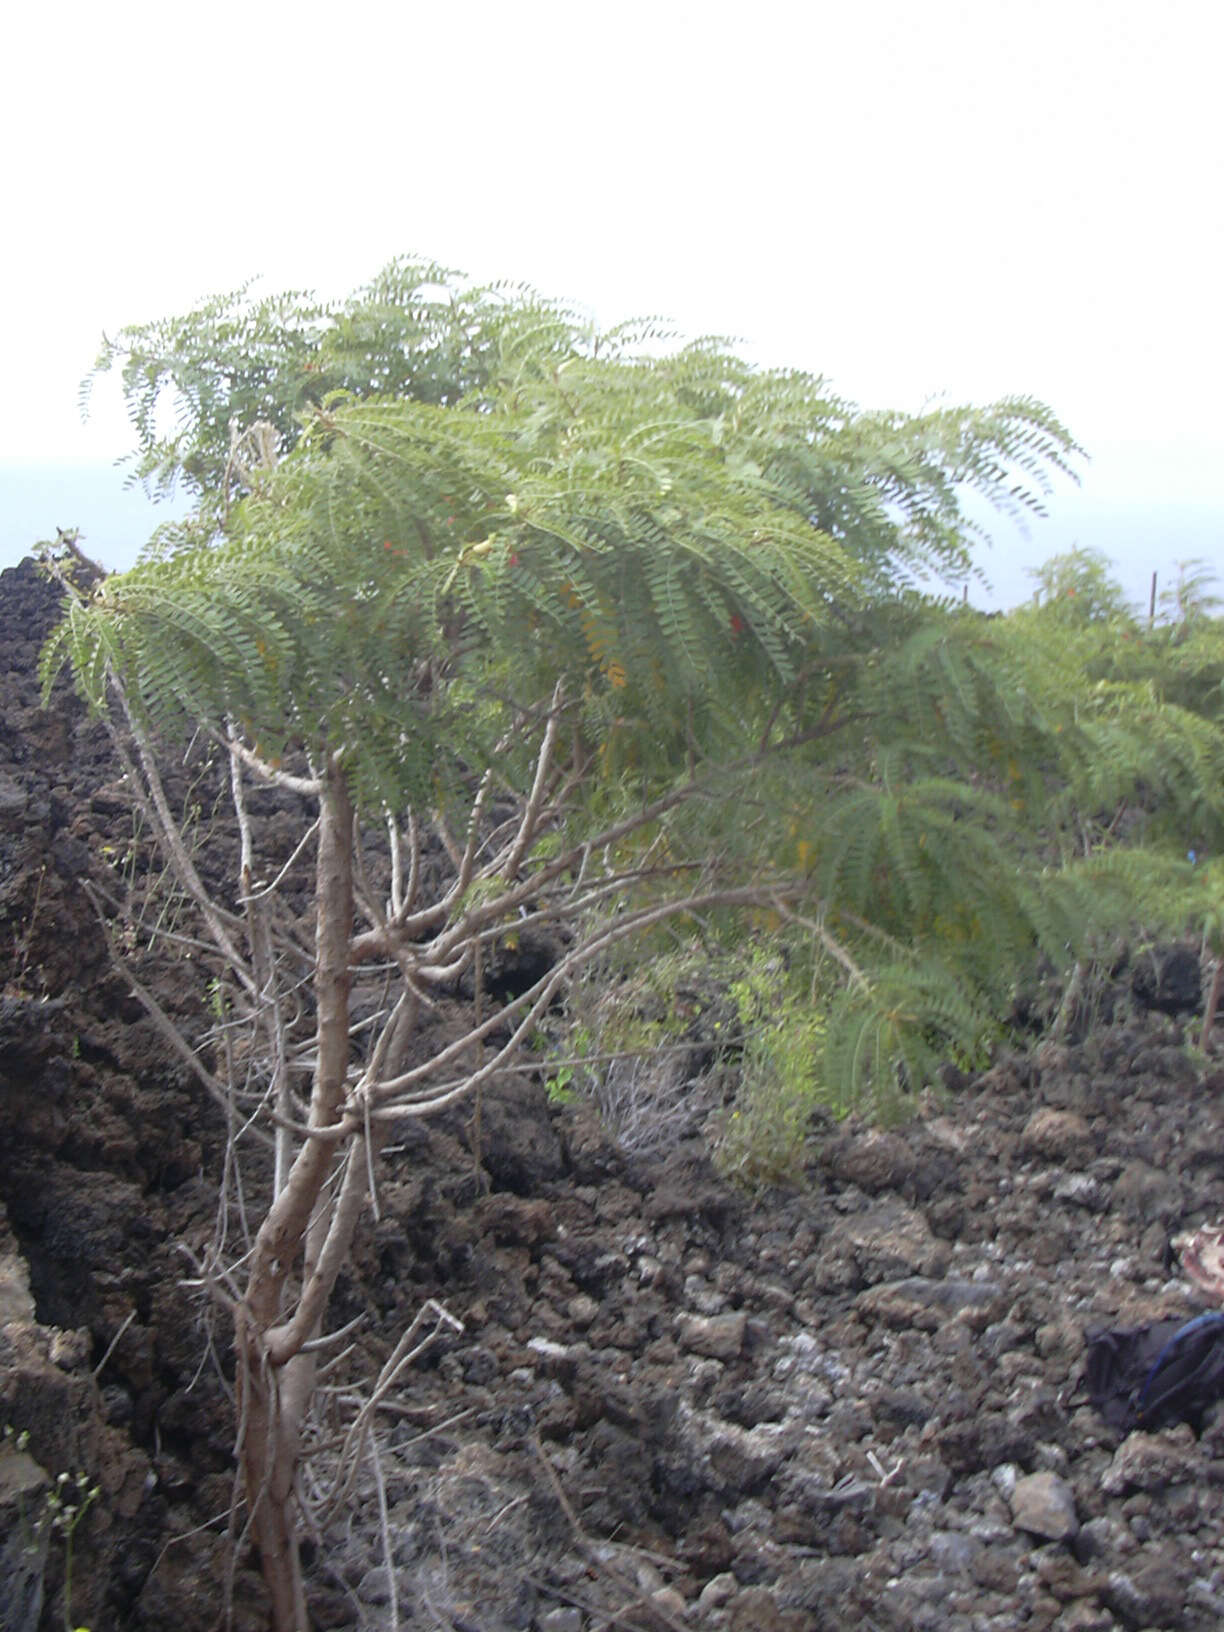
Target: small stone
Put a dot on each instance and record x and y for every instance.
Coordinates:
(874, 1160)
(1060, 1136)
(668, 1601)
(1058, 1339)
(16, 1302)
(647, 1576)
(375, 1586)
(995, 1569)
(927, 1304)
(716, 1592)
(514, 1221)
(13, 799)
(929, 1474)
(719, 1337)
(1154, 1595)
(1098, 1539)
(954, 1551)
(1052, 1457)
(755, 1610)
(549, 1356)
(566, 1619)
(1148, 1194)
(1082, 1190)
(1062, 1575)
(1043, 1505)
(1148, 1462)
(703, 1297)
(1085, 1616)
(886, 1242)
(582, 1310)
(70, 1348)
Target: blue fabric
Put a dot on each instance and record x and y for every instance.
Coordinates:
(1171, 1371)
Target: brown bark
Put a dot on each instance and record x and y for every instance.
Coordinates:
(276, 1374)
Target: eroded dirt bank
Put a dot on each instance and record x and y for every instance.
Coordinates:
(669, 1405)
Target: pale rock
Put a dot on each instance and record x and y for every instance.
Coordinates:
(719, 1337)
(1149, 1462)
(1043, 1505)
(1059, 1136)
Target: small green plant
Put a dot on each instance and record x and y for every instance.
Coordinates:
(559, 1087)
(68, 1501)
(61, 1512)
(18, 1441)
(783, 1033)
(571, 1078)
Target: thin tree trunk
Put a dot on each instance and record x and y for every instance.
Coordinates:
(276, 1378)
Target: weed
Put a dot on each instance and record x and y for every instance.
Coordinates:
(68, 1501)
(61, 1511)
(780, 1080)
(558, 1086)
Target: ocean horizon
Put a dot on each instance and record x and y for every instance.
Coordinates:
(1139, 537)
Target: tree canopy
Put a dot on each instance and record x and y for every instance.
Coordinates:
(427, 511)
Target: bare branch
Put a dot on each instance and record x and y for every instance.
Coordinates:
(165, 1026)
(831, 945)
(532, 1003)
(158, 807)
(282, 1342)
(448, 842)
(531, 813)
(271, 889)
(307, 785)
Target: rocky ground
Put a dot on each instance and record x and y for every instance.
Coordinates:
(670, 1404)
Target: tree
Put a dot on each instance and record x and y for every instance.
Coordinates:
(553, 638)
(1076, 588)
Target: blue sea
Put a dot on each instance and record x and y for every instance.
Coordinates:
(1140, 535)
(114, 520)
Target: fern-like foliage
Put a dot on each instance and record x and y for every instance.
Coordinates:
(428, 513)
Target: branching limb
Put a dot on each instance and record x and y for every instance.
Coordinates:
(157, 805)
(530, 1005)
(282, 1342)
(165, 1026)
(309, 786)
(265, 890)
(819, 929)
(528, 827)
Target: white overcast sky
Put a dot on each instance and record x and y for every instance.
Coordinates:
(913, 197)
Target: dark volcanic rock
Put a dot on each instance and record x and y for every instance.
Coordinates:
(1170, 979)
(669, 1403)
